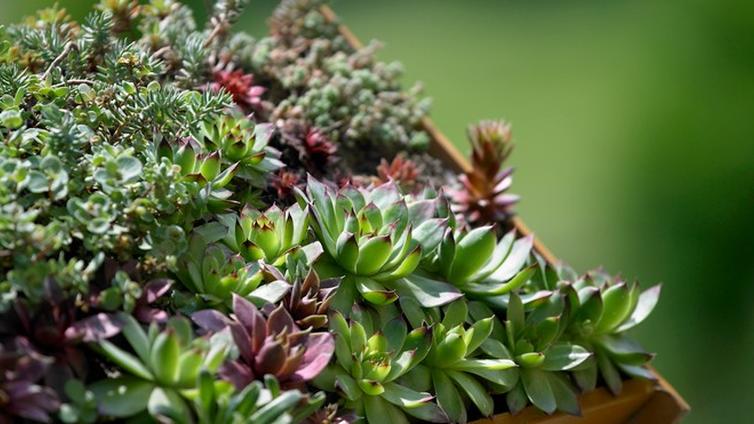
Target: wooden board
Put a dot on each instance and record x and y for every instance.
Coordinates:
(640, 402)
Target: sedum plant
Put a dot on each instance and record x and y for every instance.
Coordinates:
(279, 192)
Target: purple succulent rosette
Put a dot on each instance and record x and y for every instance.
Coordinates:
(268, 345)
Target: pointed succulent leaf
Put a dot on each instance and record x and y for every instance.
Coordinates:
(404, 397)
(122, 396)
(471, 253)
(609, 373)
(373, 254)
(379, 411)
(164, 357)
(474, 390)
(408, 263)
(537, 386)
(125, 360)
(319, 350)
(501, 251)
(429, 412)
(516, 399)
(167, 404)
(429, 234)
(590, 309)
(455, 314)
(269, 293)
(448, 397)
(638, 371)
(136, 336)
(624, 350)
(472, 365)
(395, 333)
(515, 314)
(564, 356)
(480, 331)
(347, 251)
(272, 411)
(412, 309)
(616, 301)
(516, 259)
(428, 292)
(565, 394)
(493, 289)
(646, 303)
(373, 292)
(585, 376)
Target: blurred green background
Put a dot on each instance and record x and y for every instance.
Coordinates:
(634, 125)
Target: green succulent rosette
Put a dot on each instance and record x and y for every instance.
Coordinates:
(214, 273)
(368, 365)
(161, 370)
(456, 368)
(267, 235)
(604, 309)
(480, 265)
(375, 240)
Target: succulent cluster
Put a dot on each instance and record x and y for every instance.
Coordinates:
(481, 196)
(164, 256)
(327, 97)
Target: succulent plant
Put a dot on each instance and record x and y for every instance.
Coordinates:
(542, 357)
(319, 149)
(604, 308)
(130, 296)
(56, 329)
(456, 368)
(284, 183)
(240, 86)
(273, 345)
(134, 190)
(368, 236)
(206, 171)
(239, 141)
(81, 407)
(368, 365)
(158, 368)
(268, 236)
(308, 302)
(482, 197)
(482, 266)
(219, 402)
(214, 273)
(21, 367)
(402, 170)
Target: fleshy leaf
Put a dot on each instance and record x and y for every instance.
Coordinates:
(647, 302)
(563, 357)
(428, 292)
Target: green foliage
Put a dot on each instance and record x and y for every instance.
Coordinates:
(134, 188)
(367, 365)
